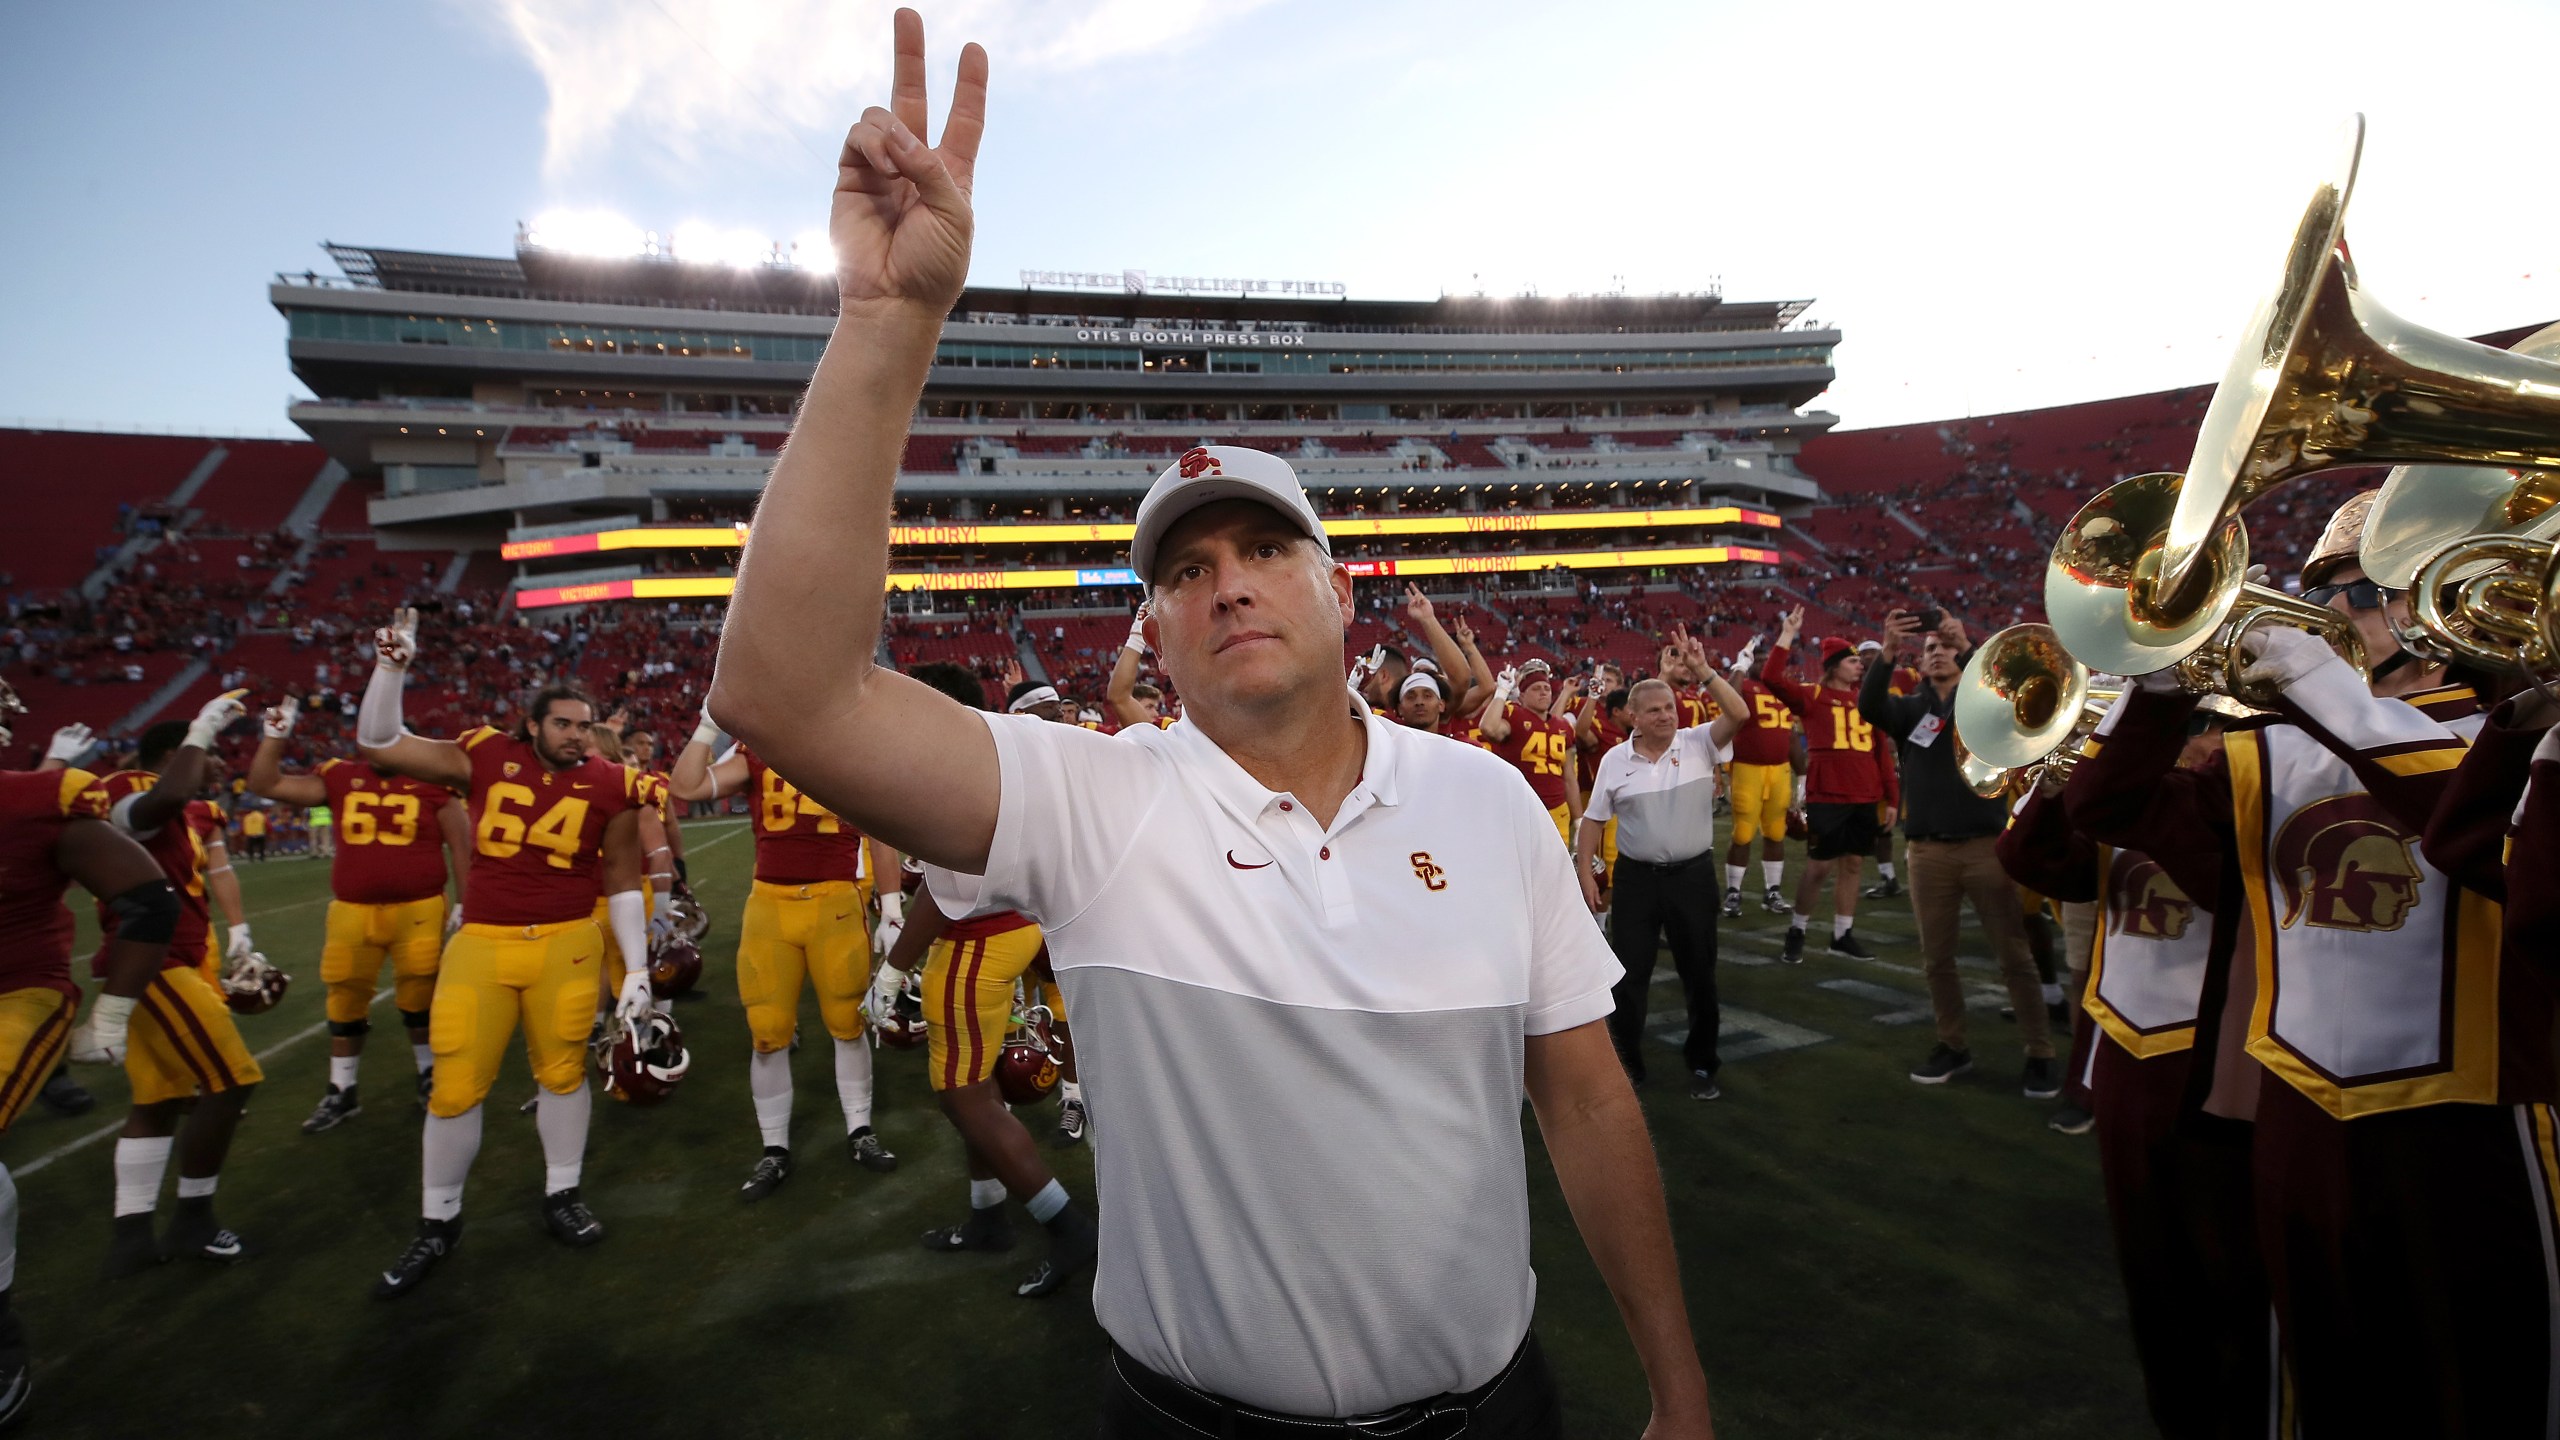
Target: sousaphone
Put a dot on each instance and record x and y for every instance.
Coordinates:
(2324, 376)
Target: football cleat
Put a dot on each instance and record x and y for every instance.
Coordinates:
(335, 1109)
(1071, 1123)
(133, 1248)
(868, 1152)
(1071, 1248)
(17, 1377)
(570, 1221)
(1733, 903)
(1793, 954)
(989, 1229)
(1884, 889)
(436, 1239)
(675, 965)
(65, 1096)
(772, 1169)
(1774, 900)
(1846, 943)
(645, 1063)
(194, 1234)
(252, 986)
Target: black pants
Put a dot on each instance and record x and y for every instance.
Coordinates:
(1648, 903)
(1518, 1404)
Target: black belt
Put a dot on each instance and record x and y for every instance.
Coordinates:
(1664, 867)
(1432, 1419)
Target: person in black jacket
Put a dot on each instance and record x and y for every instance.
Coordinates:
(1948, 832)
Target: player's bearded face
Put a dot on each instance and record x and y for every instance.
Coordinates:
(561, 736)
(1247, 610)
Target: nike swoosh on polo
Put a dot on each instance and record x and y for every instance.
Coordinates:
(1232, 860)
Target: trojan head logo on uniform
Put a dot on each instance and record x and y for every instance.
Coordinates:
(2146, 902)
(2345, 866)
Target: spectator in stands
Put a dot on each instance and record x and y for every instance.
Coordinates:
(1949, 833)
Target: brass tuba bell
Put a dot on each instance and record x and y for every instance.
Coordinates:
(2024, 701)
(2108, 597)
(2324, 376)
(2423, 508)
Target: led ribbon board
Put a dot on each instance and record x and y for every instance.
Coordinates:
(707, 587)
(1501, 522)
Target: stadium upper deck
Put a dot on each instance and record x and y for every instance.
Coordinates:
(481, 398)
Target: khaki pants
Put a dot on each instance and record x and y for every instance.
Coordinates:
(1944, 875)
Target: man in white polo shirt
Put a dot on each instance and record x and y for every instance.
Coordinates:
(1659, 784)
(1216, 896)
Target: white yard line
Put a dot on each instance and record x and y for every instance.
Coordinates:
(73, 1147)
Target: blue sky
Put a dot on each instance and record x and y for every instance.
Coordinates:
(2000, 205)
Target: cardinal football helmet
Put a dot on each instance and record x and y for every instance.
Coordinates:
(252, 986)
(903, 1027)
(675, 964)
(1027, 1066)
(644, 1064)
(691, 920)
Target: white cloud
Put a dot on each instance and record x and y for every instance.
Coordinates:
(690, 79)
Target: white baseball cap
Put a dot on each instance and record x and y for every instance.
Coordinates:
(1207, 473)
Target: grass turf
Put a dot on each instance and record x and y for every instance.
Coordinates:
(1862, 1256)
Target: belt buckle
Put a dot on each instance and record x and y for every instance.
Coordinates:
(1387, 1422)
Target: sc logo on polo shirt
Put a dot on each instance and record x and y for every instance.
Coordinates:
(1429, 873)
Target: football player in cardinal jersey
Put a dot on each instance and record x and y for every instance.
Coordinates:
(186, 1059)
(53, 830)
(397, 837)
(970, 971)
(1538, 745)
(552, 827)
(807, 920)
(1850, 773)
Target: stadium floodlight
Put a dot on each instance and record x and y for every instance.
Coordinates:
(697, 243)
(587, 232)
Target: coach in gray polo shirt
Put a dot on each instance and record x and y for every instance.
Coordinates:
(1279, 896)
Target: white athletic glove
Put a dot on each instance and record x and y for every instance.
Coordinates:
(706, 731)
(633, 1006)
(661, 925)
(452, 918)
(278, 722)
(1749, 652)
(893, 922)
(102, 1040)
(1137, 630)
(69, 743)
(2279, 656)
(396, 644)
(239, 945)
(217, 715)
(1505, 685)
(886, 983)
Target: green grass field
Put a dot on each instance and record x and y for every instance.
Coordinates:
(1862, 1256)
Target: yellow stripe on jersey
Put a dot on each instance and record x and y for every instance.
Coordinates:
(74, 782)
(2422, 762)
